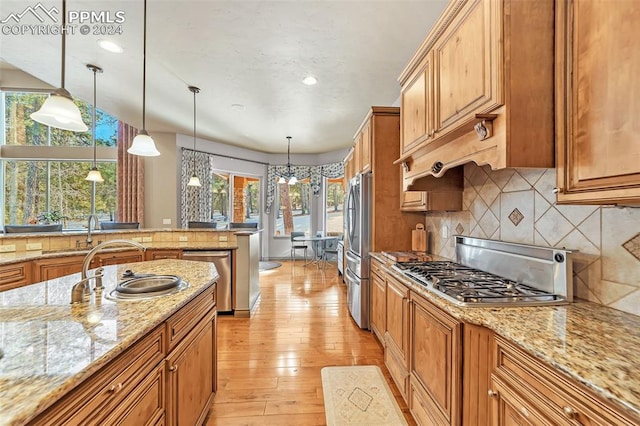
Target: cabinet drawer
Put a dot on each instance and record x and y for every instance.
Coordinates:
(398, 370)
(181, 323)
(378, 268)
(145, 405)
(15, 275)
(420, 410)
(96, 398)
(558, 397)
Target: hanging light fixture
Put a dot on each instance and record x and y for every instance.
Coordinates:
(143, 144)
(194, 181)
(290, 179)
(58, 110)
(94, 174)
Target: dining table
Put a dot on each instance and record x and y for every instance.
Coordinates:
(315, 241)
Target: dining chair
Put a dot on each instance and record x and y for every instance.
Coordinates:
(297, 245)
(330, 248)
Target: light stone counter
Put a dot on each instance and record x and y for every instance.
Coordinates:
(595, 345)
(51, 346)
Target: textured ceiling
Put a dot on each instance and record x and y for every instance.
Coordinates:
(252, 53)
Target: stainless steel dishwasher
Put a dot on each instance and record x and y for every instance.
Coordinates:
(222, 260)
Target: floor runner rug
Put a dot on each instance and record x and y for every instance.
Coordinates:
(359, 395)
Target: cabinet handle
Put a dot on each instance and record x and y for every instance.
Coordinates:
(173, 368)
(115, 388)
(492, 393)
(524, 411)
(556, 190)
(569, 412)
(437, 167)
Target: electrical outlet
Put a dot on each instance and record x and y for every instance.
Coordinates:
(183, 238)
(136, 239)
(223, 238)
(147, 239)
(445, 232)
(166, 221)
(34, 246)
(7, 248)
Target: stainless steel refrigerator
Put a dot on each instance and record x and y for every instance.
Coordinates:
(357, 244)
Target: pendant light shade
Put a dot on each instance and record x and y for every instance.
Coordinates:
(94, 174)
(143, 145)
(195, 180)
(58, 110)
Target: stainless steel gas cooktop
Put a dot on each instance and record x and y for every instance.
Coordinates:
(494, 273)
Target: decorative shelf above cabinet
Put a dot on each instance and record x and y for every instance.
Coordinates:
(597, 91)
(480, 88)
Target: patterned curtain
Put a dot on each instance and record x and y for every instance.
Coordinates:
(314, 173)
(196, 201)
(130, 170)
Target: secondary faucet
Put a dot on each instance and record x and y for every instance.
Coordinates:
(82, 289)
(92, 218)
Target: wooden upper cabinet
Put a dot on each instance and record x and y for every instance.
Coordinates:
(467, 62)
(349, 167)
(365, 148)
(489, 91)
(597, 102)
(416, 107)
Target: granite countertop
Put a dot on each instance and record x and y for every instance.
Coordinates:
(98, 232)
(595, 345)
(50, 346)
(23, 256)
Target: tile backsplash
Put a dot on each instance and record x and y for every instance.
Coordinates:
(518, 205)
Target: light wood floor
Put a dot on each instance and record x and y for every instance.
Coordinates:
(269, 365)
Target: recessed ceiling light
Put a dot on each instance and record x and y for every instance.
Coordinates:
(310, 80)
(110, 46)
(237, 107)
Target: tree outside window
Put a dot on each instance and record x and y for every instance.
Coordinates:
(293, 208)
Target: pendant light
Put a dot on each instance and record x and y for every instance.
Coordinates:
(94, 174)
(194, 181)
(291, 179)
(58, 110)
(143, 144)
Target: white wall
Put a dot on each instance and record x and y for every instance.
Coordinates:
(161, 183)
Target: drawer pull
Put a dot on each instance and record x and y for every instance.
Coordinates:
(173, 368)
(115, 388)
(524, 411)
(569, 412)
(492, 394)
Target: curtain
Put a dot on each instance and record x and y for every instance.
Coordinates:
(314, 173)
(130, 170)
(195, 204)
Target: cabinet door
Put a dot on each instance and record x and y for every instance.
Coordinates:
(468, 64)
(365, 150)
(192, 375)
(48, 269)
(357, 155)
(597, 102)
(416, 108)
(508, 408)
(413, 201)
(378, 306)
(436, 360)
(397, 332)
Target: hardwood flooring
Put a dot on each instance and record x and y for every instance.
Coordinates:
(269, 365)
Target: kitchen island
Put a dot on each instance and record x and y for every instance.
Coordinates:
(52, 348)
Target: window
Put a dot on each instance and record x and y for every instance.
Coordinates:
(54, 184)
(243, 206)
(293, 208)
(334, 204)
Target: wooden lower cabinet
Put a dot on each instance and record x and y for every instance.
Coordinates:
(15, 275)
(436, 361)
(378, 298)
(116, 258)
(192, 375)
(525, 390)
(396, 336)
(50, 268)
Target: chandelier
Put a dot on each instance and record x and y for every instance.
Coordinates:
(290, 178)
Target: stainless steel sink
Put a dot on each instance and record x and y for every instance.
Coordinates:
(147, 286)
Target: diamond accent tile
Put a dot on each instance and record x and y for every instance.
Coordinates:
(516, 217)
(459, 229)
(633, 246)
